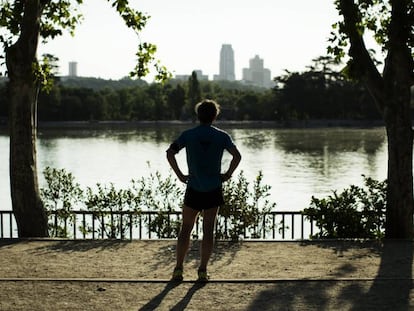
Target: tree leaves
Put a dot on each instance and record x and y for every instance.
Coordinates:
(370, 15)
(59, 16)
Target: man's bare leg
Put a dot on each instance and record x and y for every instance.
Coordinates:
(183, 243)
(209, 222)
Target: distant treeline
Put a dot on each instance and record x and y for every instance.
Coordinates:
(313, 94)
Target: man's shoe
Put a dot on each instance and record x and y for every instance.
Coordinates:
(177, 274)
(203, 276)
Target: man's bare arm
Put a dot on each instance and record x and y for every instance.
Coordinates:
(233, 164)
(174, 165)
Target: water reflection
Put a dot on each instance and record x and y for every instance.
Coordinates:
(315, 141)
(156, 134)
(255, 139)
(297, 163)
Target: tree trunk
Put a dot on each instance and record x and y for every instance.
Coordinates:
(391, 93)
(398, 72)
(399, 215)
(28, 208)
(400, 204)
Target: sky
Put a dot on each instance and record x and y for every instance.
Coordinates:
(189, 34)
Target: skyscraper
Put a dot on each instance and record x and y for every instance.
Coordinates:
(73, 69)
(256, 74)
(226, 64)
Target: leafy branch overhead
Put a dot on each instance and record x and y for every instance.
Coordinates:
(363, 18)
(56, 17)
(372, 15)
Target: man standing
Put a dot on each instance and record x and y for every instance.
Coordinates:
(204, 145)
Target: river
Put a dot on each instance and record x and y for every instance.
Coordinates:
(297, 163)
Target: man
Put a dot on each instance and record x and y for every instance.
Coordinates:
(204, 145)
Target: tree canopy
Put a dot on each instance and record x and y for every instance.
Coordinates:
(57, 17)
(391, 24)
(318, 93)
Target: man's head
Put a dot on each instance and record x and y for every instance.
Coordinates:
(207, 111)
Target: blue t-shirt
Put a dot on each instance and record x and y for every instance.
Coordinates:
(204, 148)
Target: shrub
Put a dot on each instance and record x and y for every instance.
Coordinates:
(357, 212)
(164, 196)
(116, 210)
(243, 214)
(104, 202)
(60, 196)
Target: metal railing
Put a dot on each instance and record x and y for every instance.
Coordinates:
(277, 225)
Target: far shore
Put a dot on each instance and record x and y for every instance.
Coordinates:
(224, 123)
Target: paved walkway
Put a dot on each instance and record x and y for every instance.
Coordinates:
(119, 275)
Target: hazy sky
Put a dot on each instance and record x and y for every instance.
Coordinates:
(287, 34)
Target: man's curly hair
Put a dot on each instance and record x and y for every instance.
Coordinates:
(207, 110)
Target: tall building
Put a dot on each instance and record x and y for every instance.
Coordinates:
(256, 74)
(226, 64)
(73, 69)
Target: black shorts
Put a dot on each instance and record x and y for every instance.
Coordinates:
(203, 200)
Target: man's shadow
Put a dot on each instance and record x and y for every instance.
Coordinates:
(156, 301)
(181, 305)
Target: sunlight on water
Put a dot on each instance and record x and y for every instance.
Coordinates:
(297, 163)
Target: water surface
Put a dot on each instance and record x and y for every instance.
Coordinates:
(296, 163)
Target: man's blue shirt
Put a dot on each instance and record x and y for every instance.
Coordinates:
(204, 148)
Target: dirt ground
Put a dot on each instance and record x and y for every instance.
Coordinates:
(121, 275)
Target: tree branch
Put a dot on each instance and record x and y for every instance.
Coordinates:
(398, 50)
(361, 60)
(20, 56)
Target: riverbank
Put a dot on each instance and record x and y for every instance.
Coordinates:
(223, 123)
(119, 275)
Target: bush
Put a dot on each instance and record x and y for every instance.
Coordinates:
(60, 196)
(164, 196)
(243, 214)
(357, 212)
(104, 202)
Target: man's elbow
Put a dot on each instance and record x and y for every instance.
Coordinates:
(237, 156)
(170, 153)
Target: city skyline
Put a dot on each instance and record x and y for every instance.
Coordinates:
(256, 74)
(188, 33)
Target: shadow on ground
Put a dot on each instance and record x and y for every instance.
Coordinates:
(81, 245)
(389, 290)
(155, 302)
(222, 249)
(7, 242)
(163, 255)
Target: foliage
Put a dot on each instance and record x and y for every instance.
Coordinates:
(56, 17)
(163, 196)
(391, 24)
(243, 214)
(59, 16)
(117, 210)
(356, 212)
(60, 197)
(374, 16)
(319, 93)
(45, 71)
(106, 200)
